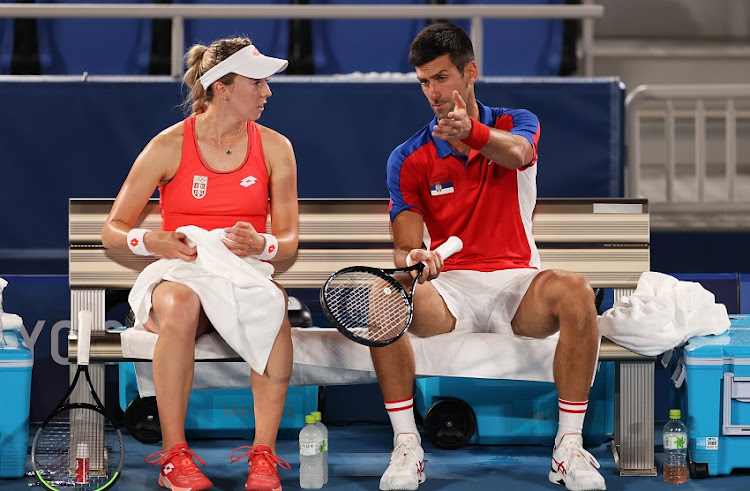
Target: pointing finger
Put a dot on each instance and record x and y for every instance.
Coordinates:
(458, 100)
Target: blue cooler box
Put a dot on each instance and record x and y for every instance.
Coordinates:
(16, 363)
(714, 395)
(222, 412)
(457, 410)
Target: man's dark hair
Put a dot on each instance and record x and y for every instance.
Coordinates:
(439, 39)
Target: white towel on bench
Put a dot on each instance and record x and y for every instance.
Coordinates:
(662, 313)
(323, 356)
(237, 294)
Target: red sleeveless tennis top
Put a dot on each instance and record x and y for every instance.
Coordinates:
(199, 195)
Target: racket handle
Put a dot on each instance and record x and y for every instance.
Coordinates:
(85, 320)
(450, 247)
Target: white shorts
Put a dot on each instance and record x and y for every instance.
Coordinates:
(484, 302)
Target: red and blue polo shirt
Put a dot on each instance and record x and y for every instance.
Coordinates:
(487, 205)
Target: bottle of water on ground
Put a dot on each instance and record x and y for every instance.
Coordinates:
(310, 455)
(675, 449)
(324, 449)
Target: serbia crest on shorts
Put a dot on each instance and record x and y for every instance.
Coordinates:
(199, 186)
(441, 188)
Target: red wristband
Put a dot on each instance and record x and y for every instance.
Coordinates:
(479, 135)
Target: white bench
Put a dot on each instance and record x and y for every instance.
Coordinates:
(607, 240)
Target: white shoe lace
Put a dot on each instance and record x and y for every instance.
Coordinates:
(580, 458)
(404, 454)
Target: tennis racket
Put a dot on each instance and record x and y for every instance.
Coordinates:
(368, 305)
(79, 446)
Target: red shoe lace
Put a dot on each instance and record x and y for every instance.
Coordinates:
(163, 456)
(254, 454)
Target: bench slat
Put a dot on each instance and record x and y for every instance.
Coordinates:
(366, 221)
(612, 268)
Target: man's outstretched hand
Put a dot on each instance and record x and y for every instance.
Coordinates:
(457, 124)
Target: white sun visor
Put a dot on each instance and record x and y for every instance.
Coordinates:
(248, 62)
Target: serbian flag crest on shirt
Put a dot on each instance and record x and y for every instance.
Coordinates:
(441, 188)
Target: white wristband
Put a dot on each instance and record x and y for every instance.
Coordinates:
(270, 248)
(135, 241)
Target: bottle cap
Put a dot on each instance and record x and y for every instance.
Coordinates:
(317, 415)
(310, 419)
(82, 451)
(675, 414)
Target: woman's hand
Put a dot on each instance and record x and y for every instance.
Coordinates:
(173, 245)
(243, 240)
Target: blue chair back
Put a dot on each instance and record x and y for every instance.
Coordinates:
(366, 45)
(96, 46)
(519, 47)
(270, 36)
(6, 43)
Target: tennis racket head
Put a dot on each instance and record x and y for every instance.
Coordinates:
(78, 446)
(367, 305)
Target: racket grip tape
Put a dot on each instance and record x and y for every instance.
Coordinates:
(85, 320)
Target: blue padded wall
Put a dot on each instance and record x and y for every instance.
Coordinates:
(363, 45)
(96, 46)
(270, 36)
(700, 252)
(342, 135)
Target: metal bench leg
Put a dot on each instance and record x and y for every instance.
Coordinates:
(633, 447)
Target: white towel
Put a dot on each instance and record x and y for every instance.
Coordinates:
(323, 356)
(237, 294)
(11, 321)
(662, 313)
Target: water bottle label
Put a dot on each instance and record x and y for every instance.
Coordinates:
(675, 442)
(309, 449)
(324, 445)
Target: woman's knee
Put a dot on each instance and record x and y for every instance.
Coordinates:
(177, 307)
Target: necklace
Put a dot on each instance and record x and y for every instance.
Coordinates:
(228, 151)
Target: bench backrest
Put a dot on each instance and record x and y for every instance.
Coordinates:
(607, 240)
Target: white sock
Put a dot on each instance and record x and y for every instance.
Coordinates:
(401, 414)
(571, 418)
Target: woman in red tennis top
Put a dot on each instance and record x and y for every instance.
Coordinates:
(217, 169)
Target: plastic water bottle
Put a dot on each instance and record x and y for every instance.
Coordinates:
(324, 448)
(310, 455)
(675, 449)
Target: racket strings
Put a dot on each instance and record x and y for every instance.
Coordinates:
(367, 305)
(73, 434)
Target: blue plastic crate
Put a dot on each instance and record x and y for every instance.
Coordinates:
(16, 363)
(513, 412)
(228, 412)
(714, 394)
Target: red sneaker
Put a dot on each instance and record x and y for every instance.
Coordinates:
(262, 474)
(178, 470)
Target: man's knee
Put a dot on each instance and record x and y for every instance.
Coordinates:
(566, 291)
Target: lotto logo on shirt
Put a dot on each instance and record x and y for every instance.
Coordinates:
(200, 183)
(440, 188)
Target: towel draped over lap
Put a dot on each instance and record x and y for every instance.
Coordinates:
(237, 294)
